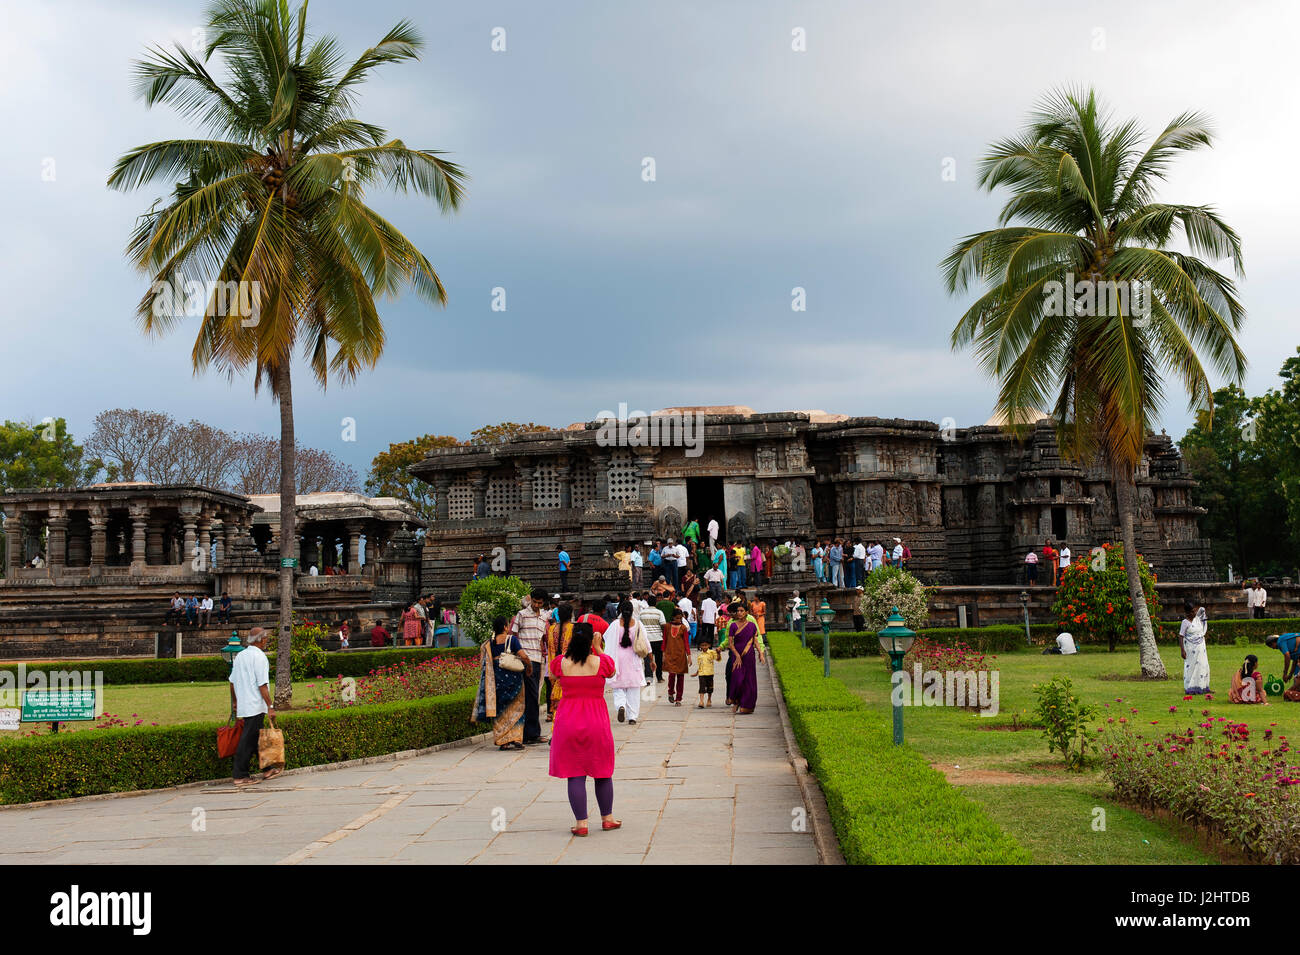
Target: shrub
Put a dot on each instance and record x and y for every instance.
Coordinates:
(306, 655)
(489, 597)
(888, 587)
(1093, 596)
(58, 766)
(887, 805)
(1064, 719)
(1211, 775)
(984, 639)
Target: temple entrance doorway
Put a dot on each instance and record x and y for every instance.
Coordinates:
(703, 501)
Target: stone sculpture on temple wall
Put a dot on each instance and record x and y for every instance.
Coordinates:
(765, 458)
(1146, 504)
(738, 528)
(934, 506)
(986, 506)
(801, 499)
(670, 523)
(954, 507)
(796, 456)
(776, 499)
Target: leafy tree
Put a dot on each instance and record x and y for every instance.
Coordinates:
(503, 432)
(1237, 486)
(1088, 225)
(389, 475)
(1092, 598)
(269, 206)
(1278, 437)
(44, 455)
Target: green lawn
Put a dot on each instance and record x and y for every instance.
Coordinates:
(170, 703)
(1048, 810)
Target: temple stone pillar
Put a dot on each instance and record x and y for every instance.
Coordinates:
(564, 481)
(645, 462)
(191, 524)
(205, 541)
(441, 493)
(78, 543)
(57, 544)
(524, 477)
(139, 535)
(352, 556)
(154, 552)
(15, 538)
(478, 485)
(600, 467)
(98, 539)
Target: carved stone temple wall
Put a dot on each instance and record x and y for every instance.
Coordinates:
(968, 502)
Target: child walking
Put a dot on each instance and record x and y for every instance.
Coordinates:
(677, 657)
(707, 658)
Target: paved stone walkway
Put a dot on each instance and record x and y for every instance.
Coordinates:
(692, 787)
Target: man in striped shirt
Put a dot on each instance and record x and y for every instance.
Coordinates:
(529, 626)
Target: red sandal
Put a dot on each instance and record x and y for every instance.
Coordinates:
(579, 830)
(610, 825)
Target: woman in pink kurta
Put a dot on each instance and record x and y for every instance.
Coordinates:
(582, 743)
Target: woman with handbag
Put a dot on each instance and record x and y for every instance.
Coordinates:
(629, 645)
(500, 696)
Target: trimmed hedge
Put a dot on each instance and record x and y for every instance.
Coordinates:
(118, 672)
(88, 762)
(1005, 638)
(887, 805)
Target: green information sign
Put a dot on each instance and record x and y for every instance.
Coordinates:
(58, 706)
(288, 561)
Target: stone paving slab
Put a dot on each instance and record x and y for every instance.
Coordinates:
(692, 786)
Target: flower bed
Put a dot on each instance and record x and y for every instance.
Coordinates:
(1211, 775)
(401, 681)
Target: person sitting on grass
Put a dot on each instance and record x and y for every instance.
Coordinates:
(1247, 684)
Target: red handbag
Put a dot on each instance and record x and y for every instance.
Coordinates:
(228, 738)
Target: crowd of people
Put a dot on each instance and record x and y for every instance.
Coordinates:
(553, 661)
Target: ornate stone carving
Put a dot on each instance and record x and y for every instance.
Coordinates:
(738, 527)
(765, 458)
(670, 523)
(796, 456)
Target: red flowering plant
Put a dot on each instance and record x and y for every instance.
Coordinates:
(1092, 599)
(959, 658)
(401, 681)
(1212, 775)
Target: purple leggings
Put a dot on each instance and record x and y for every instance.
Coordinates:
(578, 796)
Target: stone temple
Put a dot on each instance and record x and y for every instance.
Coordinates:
(968, 502)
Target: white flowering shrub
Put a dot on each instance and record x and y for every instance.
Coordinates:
(487, 598)
(888, 587)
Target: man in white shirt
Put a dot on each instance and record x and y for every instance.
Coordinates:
(250, 701)
(1256, 599)
(713, 578)
(637, 562)
(709, 618)
(688, 616)
(313, 571)
(205, 611)
(896, 555)
(1065, 644)
(877, 554)
(713, 535)
(669, 568)
(1065, 557)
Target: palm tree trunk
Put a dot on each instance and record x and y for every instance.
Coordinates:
(288, 536)
(1148, 653)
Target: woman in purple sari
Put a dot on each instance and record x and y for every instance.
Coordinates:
(742, 669)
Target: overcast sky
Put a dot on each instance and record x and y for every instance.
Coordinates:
(775, 169)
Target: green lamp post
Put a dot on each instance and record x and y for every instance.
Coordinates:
(826, 614)
(896, 640)
(232, 648)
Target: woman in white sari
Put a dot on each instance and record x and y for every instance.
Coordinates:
(1191, 643)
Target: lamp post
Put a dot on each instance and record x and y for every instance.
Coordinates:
(1024, 605)
(232, 649)
(826, 614)
(896, 640)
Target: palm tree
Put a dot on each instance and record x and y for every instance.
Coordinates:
(1083, 222)
(274, 202)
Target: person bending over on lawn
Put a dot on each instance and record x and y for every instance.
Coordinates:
(1286, 642)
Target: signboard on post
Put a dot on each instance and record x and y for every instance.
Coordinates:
(288, 561)
(59, 706)
(10, 718)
